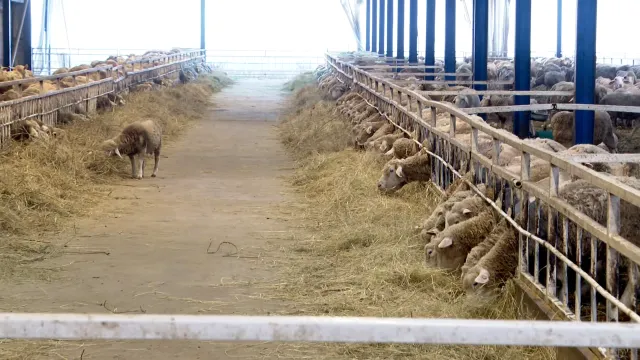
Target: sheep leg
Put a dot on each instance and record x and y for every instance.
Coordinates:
(133, 166)
(141, 168)
(156, 158)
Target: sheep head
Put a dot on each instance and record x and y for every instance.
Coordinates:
(430, 255)
(392, 178)
(477, 281)
(110, 147)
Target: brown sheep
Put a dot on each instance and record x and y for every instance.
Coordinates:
(403, 148)
(398, 173)
(139, 138)
(562, 126)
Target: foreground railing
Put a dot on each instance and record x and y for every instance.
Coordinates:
(74, 88)
(547, 253)
(316, 329)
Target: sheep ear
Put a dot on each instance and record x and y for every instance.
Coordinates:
(369, 129)
(466, 211)
(445, 243)
(117, 152)
(433, 231)
(383, 145)
(399, 171)
(483, 277)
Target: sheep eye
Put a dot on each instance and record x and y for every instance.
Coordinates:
(390, 170)
(475, 285)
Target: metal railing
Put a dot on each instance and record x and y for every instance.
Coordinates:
(264, 63)
(82, 88)
(551, 254)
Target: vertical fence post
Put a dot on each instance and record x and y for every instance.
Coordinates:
(585, 69)
(450, 39)
(522, 65)
(480, 41)
(7, 34)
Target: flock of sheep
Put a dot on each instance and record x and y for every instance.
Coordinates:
(614, 85)
(464, 233)
(21, 72)
(34, 129)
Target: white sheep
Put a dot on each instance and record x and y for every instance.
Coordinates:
(399, 172)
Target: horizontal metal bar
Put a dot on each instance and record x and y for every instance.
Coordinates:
(602, 158)
(318, 329)
(502, 92)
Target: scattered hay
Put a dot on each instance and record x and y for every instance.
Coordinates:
(312, 126)
(359, 255)
(45, 183)
(300, 81)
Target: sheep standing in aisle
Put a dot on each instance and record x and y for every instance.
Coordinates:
(139, 138)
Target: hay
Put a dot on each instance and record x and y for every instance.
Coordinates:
(44, 184)
(359, 256)
(300, 81)
(310, 125)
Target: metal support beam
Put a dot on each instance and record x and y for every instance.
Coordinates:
(368, 27)
(7, 34)
(400, 30)
(522, 66)
(480, 41)
(202, 22)
(559, 31)
(585, 69)
(430, 49)
(413, 31)
(381, 29)
(374, 26)
(390, 28)
(450, 39)
(28, 56)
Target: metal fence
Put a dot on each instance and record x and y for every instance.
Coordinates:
(82, 88)
(576, 265)
(264, 63)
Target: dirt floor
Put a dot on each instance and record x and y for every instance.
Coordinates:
(220, 183)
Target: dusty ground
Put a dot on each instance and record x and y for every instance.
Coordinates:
(221, 182)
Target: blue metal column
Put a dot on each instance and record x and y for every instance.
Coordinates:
(413, 31)
(480, 41)
(390, 28)
(430, 49)
(585, 68)
(374, 26)
(202, 22)
(559, 31)
(368, 26)
(400, 30)
(450, 39)
(7, 35)
(522, 66)
(381, 29)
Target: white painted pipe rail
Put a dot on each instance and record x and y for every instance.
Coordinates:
(318, 329)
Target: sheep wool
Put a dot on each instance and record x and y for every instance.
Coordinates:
(139, 138)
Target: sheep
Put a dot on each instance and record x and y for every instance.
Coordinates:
(30, 129)
(385, 143)
(485, 246)
(399, 172)
(138, 138)
(464, 210)
(562, 126)
(497, 265)
(385, 129)
(362, 132)
(455, 242)
(403, 148)
(623, 99)
(499, 100)
(467, 98)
